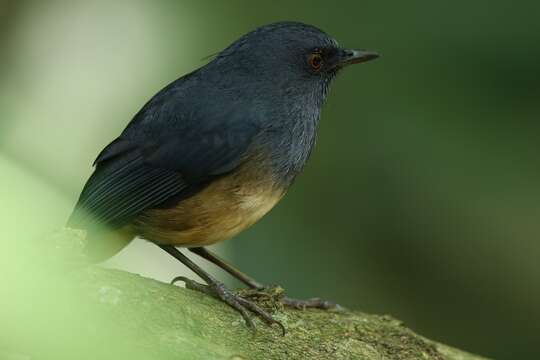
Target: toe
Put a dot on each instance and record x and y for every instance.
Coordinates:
(269, 319)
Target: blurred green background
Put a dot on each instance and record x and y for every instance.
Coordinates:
(421, 200)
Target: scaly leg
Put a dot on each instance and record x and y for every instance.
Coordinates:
(253, 284)
(219, 291)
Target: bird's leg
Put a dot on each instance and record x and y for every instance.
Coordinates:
(234, 272)
(253, 284)
(219, 291)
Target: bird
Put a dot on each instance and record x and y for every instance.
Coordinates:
(214, 151)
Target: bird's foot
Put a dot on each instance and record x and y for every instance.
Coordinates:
(313, 303)
(276, 294)
(236, 301)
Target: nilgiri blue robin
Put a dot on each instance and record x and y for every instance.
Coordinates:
(214, 151)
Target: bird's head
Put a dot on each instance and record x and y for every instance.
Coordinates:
(290, 55)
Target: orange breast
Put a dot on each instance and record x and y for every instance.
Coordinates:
(220, 211)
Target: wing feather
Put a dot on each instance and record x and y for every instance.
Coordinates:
(166, 152)
(112, 198)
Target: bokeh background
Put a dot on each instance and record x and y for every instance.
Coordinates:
(421, 200)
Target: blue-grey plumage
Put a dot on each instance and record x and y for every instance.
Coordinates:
(213, 151)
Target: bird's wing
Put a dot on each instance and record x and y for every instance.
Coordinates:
(144, 170)
(121, 187)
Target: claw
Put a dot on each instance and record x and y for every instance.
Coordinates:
(314, 303)
(263, 314)
(193, 285)
(237, 302)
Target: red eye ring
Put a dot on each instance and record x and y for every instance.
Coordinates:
(315, 60)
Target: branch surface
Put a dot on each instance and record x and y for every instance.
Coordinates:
(57, 307)
(175, 323)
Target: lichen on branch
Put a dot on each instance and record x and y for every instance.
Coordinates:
(180, 322)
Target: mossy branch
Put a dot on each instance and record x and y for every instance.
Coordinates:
(180, 323)
(97, 313)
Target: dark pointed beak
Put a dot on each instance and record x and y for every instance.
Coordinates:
(349, 56)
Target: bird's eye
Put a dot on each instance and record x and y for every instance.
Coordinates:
(315, 60)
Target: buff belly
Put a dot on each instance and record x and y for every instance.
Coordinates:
(220, 211)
